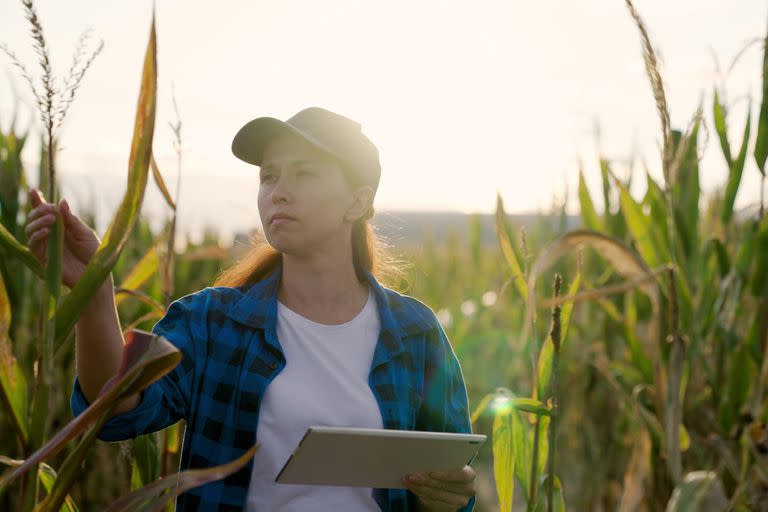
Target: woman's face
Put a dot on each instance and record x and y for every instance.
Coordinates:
(305, 201)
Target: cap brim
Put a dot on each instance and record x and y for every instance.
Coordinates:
(249, 142)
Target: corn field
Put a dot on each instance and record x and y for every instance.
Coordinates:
(618, 366)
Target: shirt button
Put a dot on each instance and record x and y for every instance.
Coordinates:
(272, 365)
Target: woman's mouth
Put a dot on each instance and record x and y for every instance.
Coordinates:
(280, 218)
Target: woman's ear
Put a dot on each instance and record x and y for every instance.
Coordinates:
(362, 199)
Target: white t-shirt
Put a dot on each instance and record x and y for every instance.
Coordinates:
(324, 382)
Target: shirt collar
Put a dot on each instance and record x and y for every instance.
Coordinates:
(398, 315)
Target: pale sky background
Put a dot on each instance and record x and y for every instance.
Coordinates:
(462, 98)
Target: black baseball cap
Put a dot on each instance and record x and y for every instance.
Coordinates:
(328, 131)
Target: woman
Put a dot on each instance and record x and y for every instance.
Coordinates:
(299, 332)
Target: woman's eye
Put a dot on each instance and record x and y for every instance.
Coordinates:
(267, 178)
(304, 172)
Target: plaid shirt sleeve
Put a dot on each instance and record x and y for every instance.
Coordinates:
(165, 401)
(445, 407)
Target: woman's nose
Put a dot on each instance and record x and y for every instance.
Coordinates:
(280, 192)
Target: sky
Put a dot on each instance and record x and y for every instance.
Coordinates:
(463, 99)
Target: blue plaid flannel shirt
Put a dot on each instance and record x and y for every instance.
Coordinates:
(230, 354)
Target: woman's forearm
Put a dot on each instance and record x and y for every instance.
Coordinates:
(99, 345)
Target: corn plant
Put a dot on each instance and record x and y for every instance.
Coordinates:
(146, 357)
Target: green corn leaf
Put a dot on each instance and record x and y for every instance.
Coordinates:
(530, 405)
(686, 194)
(745, 256)
(645, 234)
(14, 249)
(759, 281)
(761, 144)
(172, 444)
(558, 501)
(504, 458)
(120, 229)
(13, 383)
(639, 357)
(505, 240)
(740, 374)
(47, 477)
(482, 406)
(588, 213)
(144, 462)
(605, 174)
(144, 269)
(719, 114)
(734, 174)
(509, 407)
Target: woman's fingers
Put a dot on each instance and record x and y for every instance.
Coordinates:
(439, 496)
(34, 196)
(41, 222)
(41, 209)
(460, 488)
(37, 243)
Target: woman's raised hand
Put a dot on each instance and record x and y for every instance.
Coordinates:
(80, 241)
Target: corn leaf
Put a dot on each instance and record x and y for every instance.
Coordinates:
(144, 460)
(125, 218)
(588, 213)
(504, 458)
(144, 269)
(161, 183)
(650, 243)
(558, 501)
(481, 407)
(734, 174)
(639, 357)
(759, 281)
(626, 262)
(719, 115)
(687, 192)
(13, 383)
(16, 250)
(700, 491)
(172, 444)
(146, 358)
(505, 240)
(71, 469)
(150, 498)
(47, 476)
(761, 144)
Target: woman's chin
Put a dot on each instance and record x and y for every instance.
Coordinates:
(284, 244)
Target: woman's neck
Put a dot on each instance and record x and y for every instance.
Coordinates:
(324, 289)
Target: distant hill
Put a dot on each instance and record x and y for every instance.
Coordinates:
(406, 227)
(409, 227)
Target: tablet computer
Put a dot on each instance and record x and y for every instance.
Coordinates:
(379, 458)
